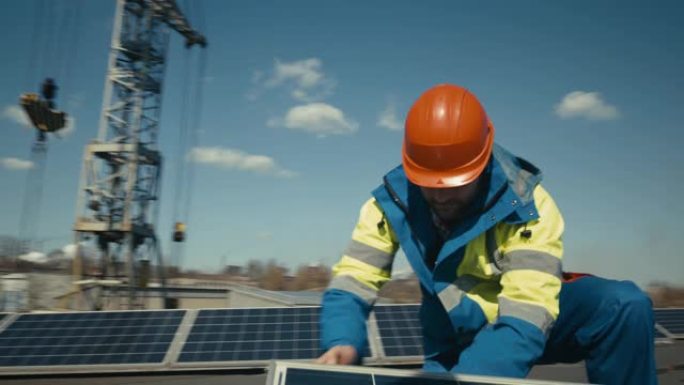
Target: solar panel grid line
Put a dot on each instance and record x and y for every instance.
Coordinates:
(92, 339)
(295, 343)
(252, 334)
(377, 351)
(672, 320)
(278, 329)
(260, 335)
(400, 332)
(243, 326)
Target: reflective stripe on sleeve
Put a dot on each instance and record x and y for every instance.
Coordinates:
(531, 260)
(348, 283)
(366, 274)
(534, 314)
(369, 255)
(451, 296)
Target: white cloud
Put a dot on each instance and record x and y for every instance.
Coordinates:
(304, 78)
(316, 118)
(587, 105)
(305, 73)
(388, 118)
(16, 164)
(233, 159)
(16, 115)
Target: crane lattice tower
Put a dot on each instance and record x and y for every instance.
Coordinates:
(118, 199)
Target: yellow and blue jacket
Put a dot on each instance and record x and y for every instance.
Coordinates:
(490, 289)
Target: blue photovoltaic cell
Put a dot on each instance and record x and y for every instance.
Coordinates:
(671, 319)
(92, 338)
(253, 334)
(400, 330)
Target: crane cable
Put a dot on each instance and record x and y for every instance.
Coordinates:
(190, 120)
(47, 52)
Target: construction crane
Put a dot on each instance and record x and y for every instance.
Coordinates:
(118, 200)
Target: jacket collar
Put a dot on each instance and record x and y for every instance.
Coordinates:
(509, 198)
(504, 171)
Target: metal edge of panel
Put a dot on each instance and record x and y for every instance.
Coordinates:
(668, 335)
(80, 369)
(244, 364)
(275, 373)
(47, 313)
(182, 333)
(219, 365)
(284, 366)
(374, 338)
(668, 309)
(398, 304)
(264, 307)
(252, 364)
(8, 320)
(401, 360)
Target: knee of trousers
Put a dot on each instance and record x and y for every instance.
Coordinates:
(629, 302)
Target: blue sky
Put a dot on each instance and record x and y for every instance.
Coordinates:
(304, 103)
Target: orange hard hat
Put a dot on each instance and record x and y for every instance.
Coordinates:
(448, 138)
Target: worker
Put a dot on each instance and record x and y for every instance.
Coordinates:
(484, 238)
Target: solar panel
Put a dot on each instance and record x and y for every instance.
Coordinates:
(400, 330)
(254, 334)
(93, 338)
(659, 334)
(671, 319)
(296, 373)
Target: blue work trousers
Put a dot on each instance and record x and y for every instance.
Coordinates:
(608, 324)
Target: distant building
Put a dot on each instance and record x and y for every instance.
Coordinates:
(14, 296)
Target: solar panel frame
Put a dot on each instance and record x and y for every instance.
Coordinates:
(393, 328)
(335, 375)
(196, 350)
(671, 320)
(171, 361)
(7, 319)
(102, 352)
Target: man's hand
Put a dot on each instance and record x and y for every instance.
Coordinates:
(339, 355)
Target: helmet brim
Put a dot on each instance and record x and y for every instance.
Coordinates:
(455, 177)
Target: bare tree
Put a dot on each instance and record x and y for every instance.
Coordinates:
(274, 277)
(312, 277)
(255, 270)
